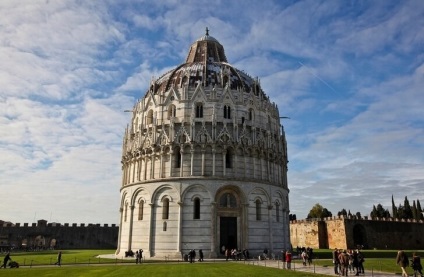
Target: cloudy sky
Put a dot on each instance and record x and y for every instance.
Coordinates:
(349, 74)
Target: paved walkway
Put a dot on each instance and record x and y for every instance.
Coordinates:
(325, 270)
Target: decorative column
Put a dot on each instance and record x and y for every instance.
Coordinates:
(171, 152)
(214, 240)
(181, 162)
(118, 249)
(271, 239)
(151, 234)
(145, 167)
(131, 226)
(180, 227)
(161, 163)
(224, 162)
(191, 160)
(152, 165)
(203, 160)
(213, 160)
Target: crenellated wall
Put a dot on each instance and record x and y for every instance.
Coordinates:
(58, 236)
(349, 233)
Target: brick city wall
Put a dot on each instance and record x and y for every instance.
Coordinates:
(343, 233)
(58, 236)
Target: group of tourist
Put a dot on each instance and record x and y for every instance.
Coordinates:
(236, 254)
(345, 261)
(403, 261)
(139, 256)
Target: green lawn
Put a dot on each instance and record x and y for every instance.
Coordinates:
(182, 269)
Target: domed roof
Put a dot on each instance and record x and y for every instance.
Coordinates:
(206, 64)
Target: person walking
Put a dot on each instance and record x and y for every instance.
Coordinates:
(402, 261)
(336, 261)
(5, 260)
(59, 259)
(416, 264)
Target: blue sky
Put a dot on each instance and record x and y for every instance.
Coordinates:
(349, 74)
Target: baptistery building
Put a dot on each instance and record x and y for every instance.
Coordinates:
(204, 163)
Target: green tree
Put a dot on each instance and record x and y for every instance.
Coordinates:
(342, 212)
(414, 211)
(419, 210)
(318, 211)
(379, 212)
(358, 215)
(407, 209)
(394, 209)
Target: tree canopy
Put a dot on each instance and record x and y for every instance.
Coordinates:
(318, 211)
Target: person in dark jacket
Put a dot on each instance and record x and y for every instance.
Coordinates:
(416, 264)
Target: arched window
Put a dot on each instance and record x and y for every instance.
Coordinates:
(228, 200)
(125, 212)
(196, 206)
(228, 159)
(149, 117)
(277, 211)
(165, 225)
(251, 114)
(227, 112)
(165, 209)
(172, 111)
(258, 209)
(199, 110)
(224, 81)
(140, 210)
(178, 159)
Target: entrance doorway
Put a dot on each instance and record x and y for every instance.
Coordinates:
(228, 232)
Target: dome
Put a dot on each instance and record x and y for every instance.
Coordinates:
(207, 65)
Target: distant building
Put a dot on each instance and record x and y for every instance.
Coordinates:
(204, 162)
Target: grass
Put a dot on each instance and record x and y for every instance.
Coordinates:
(218, 269)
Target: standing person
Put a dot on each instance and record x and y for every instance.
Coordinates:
(403, 262)
(283, 258)
(200, 255)
(310, 253)
(361, 261)
(59, 259)
(336, 261)
(304, 256)
(140, 253)
(288, 259)
(416, 264)
(5, 260)
(137, 257)
(344, 262)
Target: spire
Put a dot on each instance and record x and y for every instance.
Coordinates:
(207, 31)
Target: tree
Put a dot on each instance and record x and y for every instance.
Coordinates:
(379, 212)
(414, 211)
(358, 215)
(394, 209)
(407, 209)
(318, 211)
(342, 212)
(419, 210)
